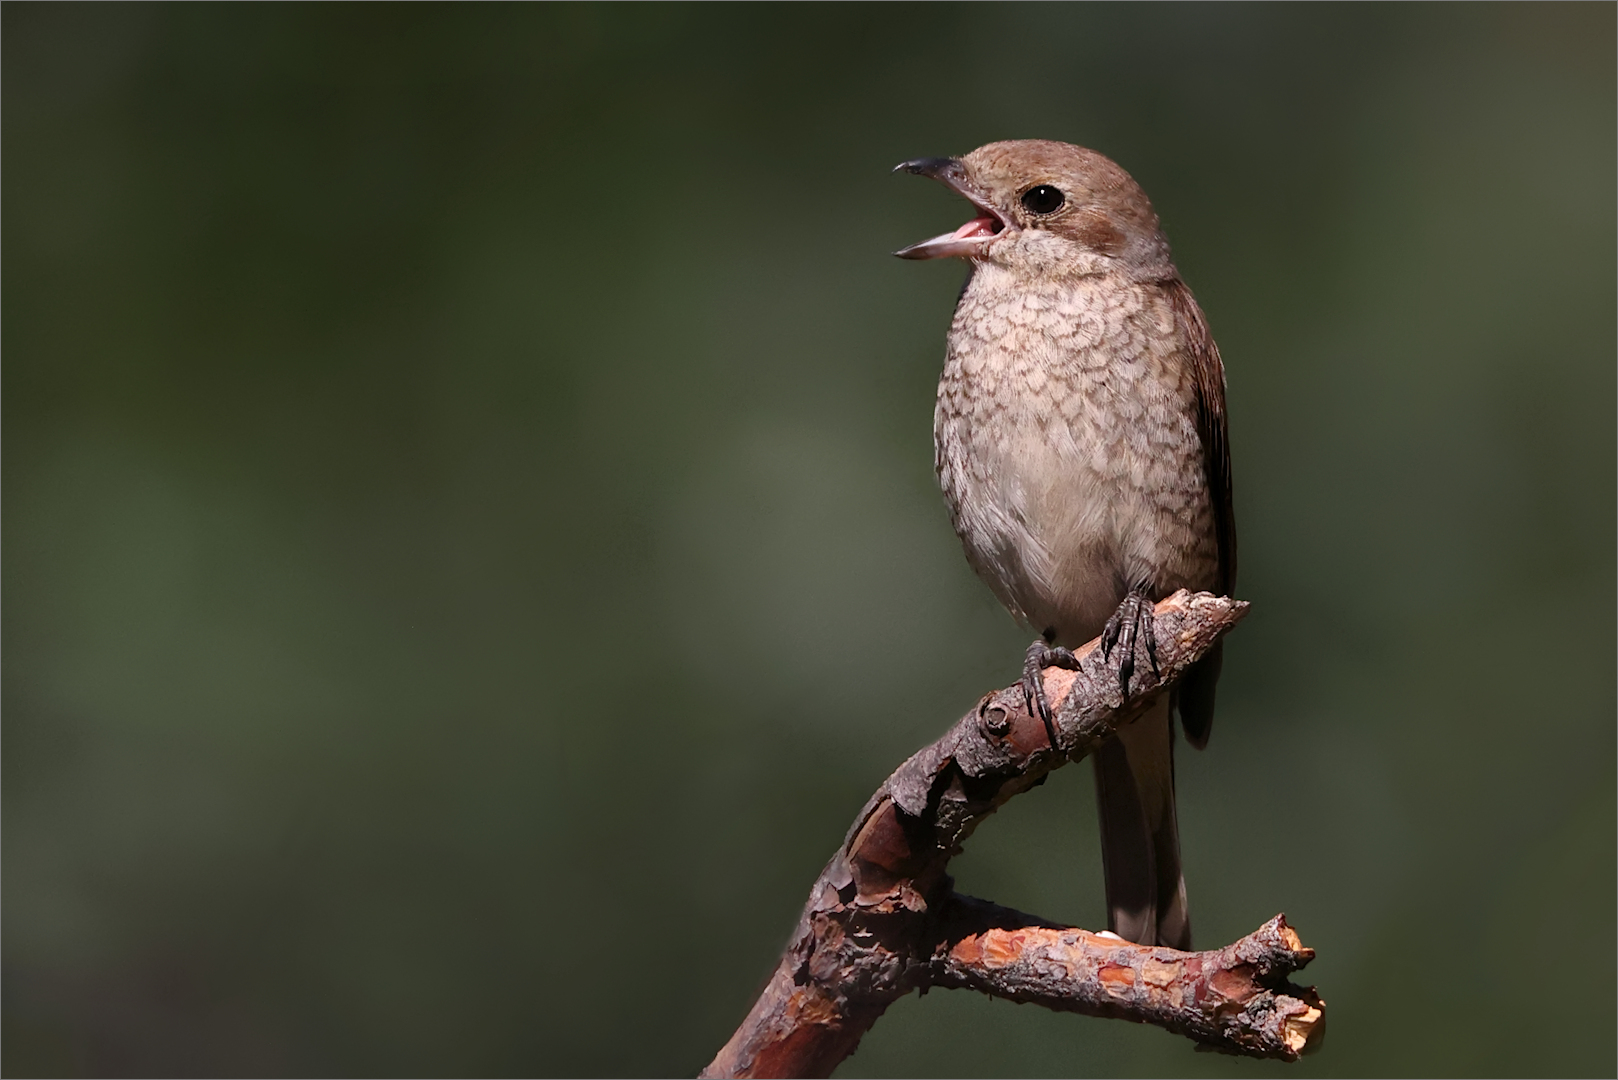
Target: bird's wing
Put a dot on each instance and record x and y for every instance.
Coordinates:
(1195, 696)
(1209, 372)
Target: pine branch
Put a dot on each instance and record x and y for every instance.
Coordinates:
(883, 918)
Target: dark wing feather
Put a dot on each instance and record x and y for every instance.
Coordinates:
(1209, 372)
(1196, 693)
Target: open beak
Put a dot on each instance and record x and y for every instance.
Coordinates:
(970, 240)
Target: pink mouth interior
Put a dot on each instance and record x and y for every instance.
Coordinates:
(978, 226)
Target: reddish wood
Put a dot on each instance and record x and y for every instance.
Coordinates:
(883, 918)
(1234, 998)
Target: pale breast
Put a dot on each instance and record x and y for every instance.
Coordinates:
(1068, 451)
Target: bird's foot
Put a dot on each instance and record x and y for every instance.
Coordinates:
(1041, 655)
(1131, 623)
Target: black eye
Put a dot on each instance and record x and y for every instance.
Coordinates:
(1043, 199)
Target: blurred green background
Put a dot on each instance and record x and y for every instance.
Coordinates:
(471, 543)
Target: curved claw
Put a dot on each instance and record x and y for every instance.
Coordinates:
(1110, 632)
(1040, 656)
(1126, 663)
(1129, 624)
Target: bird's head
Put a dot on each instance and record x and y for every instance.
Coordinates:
(1047, 208)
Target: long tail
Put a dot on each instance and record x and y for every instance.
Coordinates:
(1140, 840)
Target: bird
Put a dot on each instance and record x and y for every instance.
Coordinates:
(1081, 445)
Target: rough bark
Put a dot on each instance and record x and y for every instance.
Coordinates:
(883, 918)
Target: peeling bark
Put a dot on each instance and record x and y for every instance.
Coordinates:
(883, 918)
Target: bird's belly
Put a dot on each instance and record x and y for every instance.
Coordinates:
(1063, 514)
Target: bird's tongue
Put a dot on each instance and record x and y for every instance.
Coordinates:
(978, 226)
(962, 243)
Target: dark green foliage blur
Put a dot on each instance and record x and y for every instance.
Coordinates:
(471, 543)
